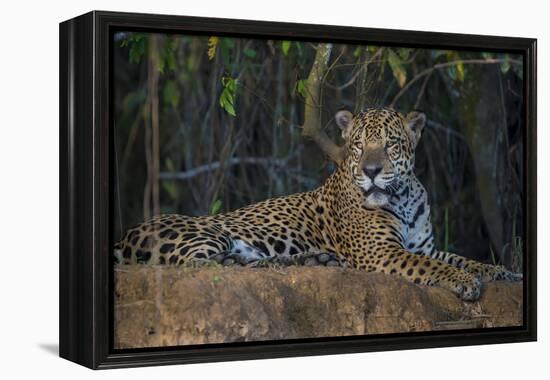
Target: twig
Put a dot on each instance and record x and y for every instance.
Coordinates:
(422, 89)
(442, 66)
(264, 161)
(362, 66)
(435, 125)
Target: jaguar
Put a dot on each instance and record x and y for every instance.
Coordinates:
(372, 213)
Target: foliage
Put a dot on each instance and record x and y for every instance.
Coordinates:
(227, 96)
(301, 85)
(171, 93)
(216, 207)
(285, 46)
(212, 44)
(137, 45)
(167, 56)
(397, 67)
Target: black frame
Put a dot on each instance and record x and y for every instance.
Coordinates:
(85, 192)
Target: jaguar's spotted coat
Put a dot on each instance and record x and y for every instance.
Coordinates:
(372, 213)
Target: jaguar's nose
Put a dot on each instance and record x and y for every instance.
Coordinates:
(372, 171)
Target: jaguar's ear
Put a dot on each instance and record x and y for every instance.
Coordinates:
(414, 124)
(344, 120)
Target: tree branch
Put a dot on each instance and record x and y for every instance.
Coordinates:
(428, 71)
(188, 174)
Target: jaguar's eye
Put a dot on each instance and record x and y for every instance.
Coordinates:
(390, 144)
(358, 145)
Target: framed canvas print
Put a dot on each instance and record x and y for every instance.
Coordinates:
(237, 189)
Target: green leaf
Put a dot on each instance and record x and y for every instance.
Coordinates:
(160, 66)
(399, 72)
(285, 46)
(301, 86)
(460, 72)
(137, 46)
(215, 207)
(168, 54)
(229, 42)
(372, 49)
(250, 53)
(404, 53)
(215, 279)
(229, 83)
(170, 188)
(505, 66)
(171, 94)
(228, 95)
(228, 107)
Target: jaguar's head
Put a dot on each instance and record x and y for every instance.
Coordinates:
(380, 146)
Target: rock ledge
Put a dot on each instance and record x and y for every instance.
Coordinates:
(168, 306)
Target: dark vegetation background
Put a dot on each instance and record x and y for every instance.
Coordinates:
(206, 125)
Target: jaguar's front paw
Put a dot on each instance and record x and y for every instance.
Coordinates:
(466, 286)
(470, 289)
